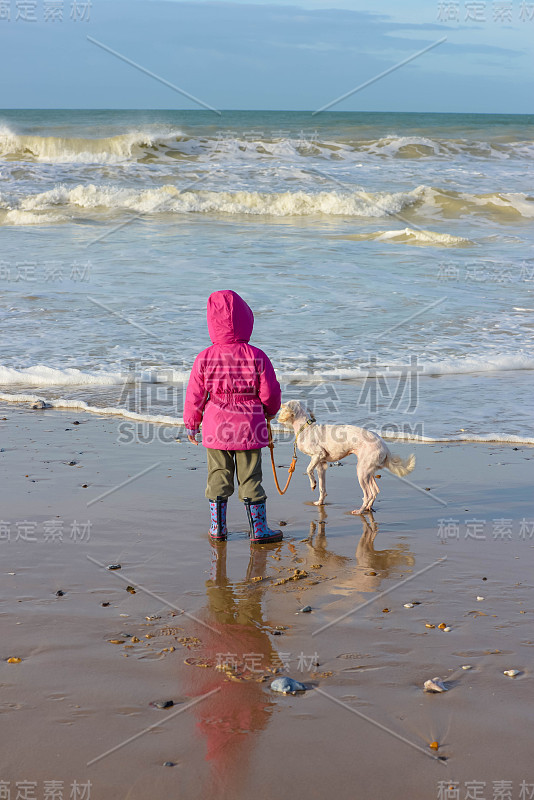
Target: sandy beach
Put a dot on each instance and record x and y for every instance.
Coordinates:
(209, 627)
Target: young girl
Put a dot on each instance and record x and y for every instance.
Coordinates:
(231, 390)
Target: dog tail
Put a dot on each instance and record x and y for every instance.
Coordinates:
(400, 466)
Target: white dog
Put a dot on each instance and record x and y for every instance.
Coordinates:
(326, 443)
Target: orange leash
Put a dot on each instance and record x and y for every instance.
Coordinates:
(291, 466)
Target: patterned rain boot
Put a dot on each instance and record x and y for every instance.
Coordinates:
(218, 529)
(257, 517)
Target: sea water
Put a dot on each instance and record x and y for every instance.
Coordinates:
(387, 257)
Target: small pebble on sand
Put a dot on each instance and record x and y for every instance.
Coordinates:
(162, 703)
(408, 605)
(511, 672)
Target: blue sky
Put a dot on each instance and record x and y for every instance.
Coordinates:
(271, 55)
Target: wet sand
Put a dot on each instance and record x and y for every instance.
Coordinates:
(77, 707)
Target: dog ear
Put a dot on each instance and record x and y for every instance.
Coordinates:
(297, 409)
(285, 414)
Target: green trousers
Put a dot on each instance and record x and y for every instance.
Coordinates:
(246, 464)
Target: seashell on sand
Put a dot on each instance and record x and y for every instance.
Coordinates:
(435, 685)
(287, 686)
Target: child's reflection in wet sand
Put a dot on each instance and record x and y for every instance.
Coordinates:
(239, 654)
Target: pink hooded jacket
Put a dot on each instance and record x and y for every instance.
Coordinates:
(232, 384)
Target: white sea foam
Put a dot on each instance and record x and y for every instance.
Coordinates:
(464, 437)
(20, 217)
(450, 366)
(164, 143)
(411, 236)
(110, 150)
(81, 405)
(394, 146)
(360, 204)
(170, 199)
(517, 202)
(43, 375)
(163, 419)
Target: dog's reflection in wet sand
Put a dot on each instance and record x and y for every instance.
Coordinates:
(347, 574)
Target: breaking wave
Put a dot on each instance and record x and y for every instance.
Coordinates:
(451, 366)
(137, 145)
(43, 375)
(108, 199)
(159, 144)
(410, 236)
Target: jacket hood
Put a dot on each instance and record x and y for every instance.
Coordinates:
(230, 319)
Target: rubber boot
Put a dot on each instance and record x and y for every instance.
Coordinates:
(218, 529)
(257, 517)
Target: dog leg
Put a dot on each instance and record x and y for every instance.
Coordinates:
(375, 490)
(311, 470)
(321, 471)
(363, 478)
